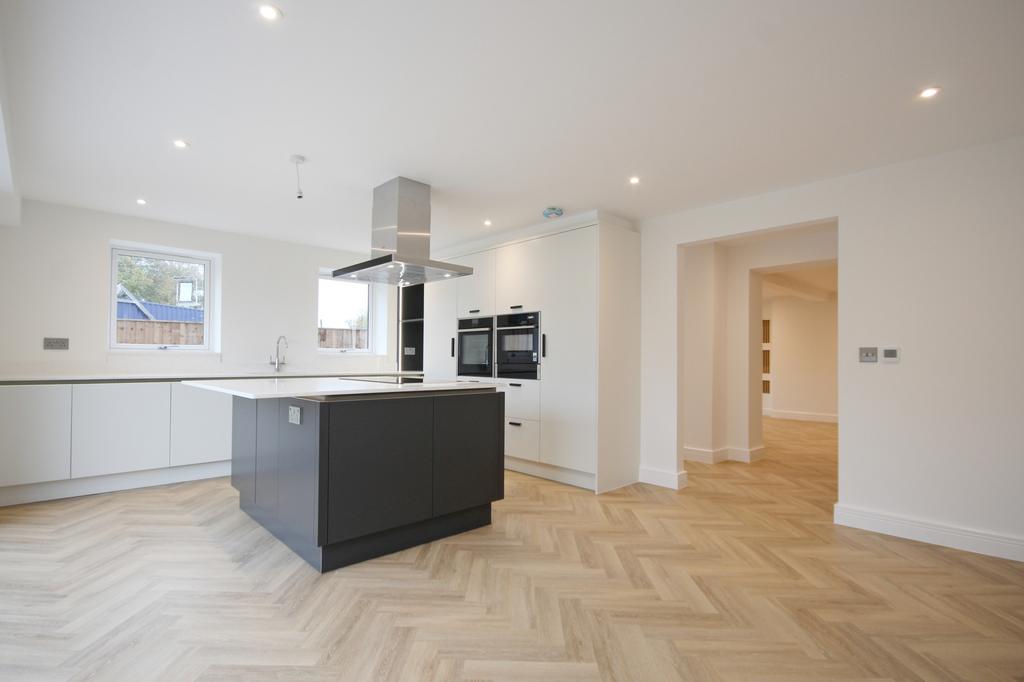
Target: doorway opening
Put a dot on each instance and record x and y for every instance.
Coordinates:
(757, 346)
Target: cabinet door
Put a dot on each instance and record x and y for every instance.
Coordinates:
(517, 281)
(380, 465)
(476, 292)
(469, 449)
(522, 438)
(568, 371)
(522, 398)
(35, 423)
(120, 427)
(439, 329)
(200, 425)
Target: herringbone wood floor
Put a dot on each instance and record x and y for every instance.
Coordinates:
(741, 576)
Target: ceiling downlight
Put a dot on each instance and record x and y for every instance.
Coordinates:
(270, 12)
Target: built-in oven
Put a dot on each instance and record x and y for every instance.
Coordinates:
(518, 346)
(476, 347)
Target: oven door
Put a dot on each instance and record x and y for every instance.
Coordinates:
(476, 354)
(518, 351)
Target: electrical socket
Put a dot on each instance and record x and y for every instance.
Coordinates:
(869, 354)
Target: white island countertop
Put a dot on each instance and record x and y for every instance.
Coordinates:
(322, 386)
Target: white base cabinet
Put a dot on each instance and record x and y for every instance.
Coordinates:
(35, 434)
(522, 439)
(200, 426)
(120, 427)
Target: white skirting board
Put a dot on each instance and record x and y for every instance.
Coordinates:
(801, 416)
(76, 487)
(580, 479)
(723, 454)
(675, 480)
(705, 456)
(957, 537)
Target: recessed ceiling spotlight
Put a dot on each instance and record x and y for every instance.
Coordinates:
(487, 223)
(354, 276)
(181, 144)
(929, 92)
(447, 274)
(270, 13)
(634, 180)
(140, 201)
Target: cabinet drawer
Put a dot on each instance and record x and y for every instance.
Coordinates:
(522, 399)
(522, 439)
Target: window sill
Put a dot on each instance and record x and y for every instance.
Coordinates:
(157, 351)
(343, 353)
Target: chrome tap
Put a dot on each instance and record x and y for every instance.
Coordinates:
(277, 359)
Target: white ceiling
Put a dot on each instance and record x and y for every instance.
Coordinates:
(504, 107)
(815, 283)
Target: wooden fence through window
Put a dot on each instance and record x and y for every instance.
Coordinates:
(160, 333)
(356, 339)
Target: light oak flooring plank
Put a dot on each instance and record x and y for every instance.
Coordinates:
(741, 576)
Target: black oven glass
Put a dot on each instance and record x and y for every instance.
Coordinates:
(476, 349)
(518, 347)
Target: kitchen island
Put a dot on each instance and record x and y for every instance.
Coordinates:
(344, 470)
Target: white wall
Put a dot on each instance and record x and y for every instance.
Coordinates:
(930, 259)
(803, 359)
(55, 278)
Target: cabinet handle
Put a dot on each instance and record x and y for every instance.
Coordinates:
(515, 423)
(516, 385)
(474, 311)
(543, 345)
(516, 307)
(453, 346)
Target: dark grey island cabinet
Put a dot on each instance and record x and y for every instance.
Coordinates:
(345, 478)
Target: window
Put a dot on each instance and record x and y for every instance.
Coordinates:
(160, 299)
(343, 315)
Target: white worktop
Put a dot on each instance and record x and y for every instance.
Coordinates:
(321, 386)
(181, 376)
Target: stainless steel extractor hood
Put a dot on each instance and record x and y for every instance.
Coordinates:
(400, 241)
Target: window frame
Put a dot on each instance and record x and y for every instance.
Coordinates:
(208, 260)
(326, 273)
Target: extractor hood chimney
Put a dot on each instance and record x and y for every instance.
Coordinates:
(400, 241)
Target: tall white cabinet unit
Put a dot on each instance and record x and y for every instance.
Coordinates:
(440, 328)
(584, 278)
